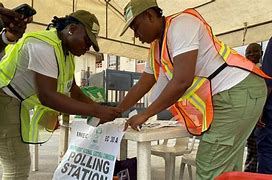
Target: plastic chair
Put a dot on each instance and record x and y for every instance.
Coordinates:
(181, 147)
(189, 160)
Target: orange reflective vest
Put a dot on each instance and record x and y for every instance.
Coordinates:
(195, 108)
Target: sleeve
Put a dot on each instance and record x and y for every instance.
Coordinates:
(42, 58)
(267, 62)
(148, 68)
(183, 34)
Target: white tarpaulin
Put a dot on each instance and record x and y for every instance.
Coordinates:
(234, 21)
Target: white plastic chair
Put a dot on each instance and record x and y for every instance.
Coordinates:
(181, 147)
(189, 160)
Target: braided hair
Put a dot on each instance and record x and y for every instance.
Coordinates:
(61, 23)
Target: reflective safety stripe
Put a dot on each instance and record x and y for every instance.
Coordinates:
(34, 129)
(224, 51)
(201, 106)
(197, 83)
(153, 62)
(6, 75)
(168, 71)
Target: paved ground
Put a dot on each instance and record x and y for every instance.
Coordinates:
(48, 157)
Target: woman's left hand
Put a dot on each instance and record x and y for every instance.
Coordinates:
(136, 121)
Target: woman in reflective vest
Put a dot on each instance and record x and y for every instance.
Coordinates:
(194, 108)
(36, 78)
(211, 89)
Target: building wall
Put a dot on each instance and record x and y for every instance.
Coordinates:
(82, 63)
(127, 64)
(88, 60)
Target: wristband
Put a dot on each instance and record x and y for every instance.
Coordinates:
(5, 39)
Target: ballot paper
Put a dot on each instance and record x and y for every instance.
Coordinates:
(93, 121)
(160, 124)
(153, 123)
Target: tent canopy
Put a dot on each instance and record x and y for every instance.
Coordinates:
(234, 22)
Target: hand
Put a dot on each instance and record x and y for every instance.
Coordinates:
(107, 114)
(14, 23)
(15, 32)
(135, 121)
(260, 123)
(57, 126)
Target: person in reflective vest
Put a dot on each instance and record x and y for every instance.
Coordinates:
(207, 86)
(37, 82)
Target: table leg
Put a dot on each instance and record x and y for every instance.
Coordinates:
(144, 160)
(170, 166)
(35, 157)
(63, 139)
(123, 149)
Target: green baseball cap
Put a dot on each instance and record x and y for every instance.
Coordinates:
(90, 23)
(134, 8)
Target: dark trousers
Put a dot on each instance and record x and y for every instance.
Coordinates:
(264, 149)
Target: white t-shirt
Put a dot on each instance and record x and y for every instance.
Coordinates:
(187, 33)
(35, 56)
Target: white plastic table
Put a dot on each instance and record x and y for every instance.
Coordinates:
(143, 139)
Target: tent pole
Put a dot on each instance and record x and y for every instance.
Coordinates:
(107, 5)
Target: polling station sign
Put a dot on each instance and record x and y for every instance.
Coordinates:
(92, 152)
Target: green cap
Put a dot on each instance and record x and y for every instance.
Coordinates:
(91, 25)
(134, 8)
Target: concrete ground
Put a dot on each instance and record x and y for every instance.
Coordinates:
(48, 158)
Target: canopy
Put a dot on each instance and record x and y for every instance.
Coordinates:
(234, 22)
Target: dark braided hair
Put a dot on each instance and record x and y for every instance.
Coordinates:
(61, 23)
